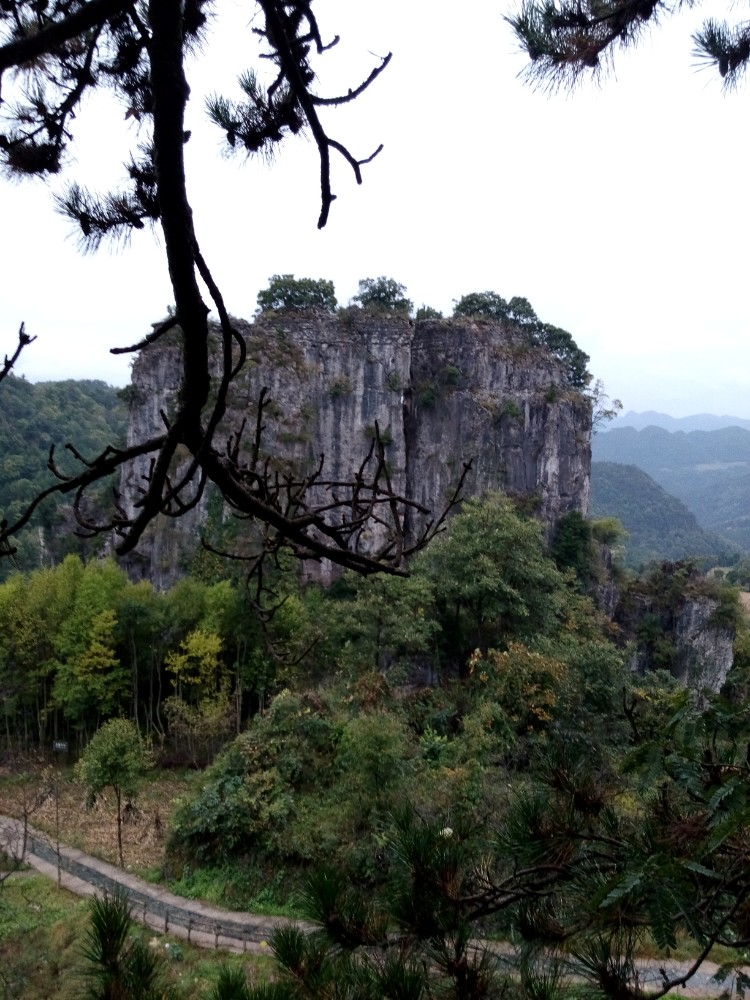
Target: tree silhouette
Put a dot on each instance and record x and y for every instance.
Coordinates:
(58, 53)
(567, 39)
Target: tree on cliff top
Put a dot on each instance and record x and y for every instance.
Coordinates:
(287, 292)
(519, 311)
(383, 295)
(566, 39)
(52, 56)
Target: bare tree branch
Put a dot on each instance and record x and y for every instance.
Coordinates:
(23, 341)
(140, 50)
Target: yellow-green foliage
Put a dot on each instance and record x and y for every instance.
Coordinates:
(196, 665)
(522, 681)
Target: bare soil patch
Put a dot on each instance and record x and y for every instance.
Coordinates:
(56, 804)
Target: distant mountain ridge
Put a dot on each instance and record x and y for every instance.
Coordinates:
(696, 422)
(660, 527)
(709, 471)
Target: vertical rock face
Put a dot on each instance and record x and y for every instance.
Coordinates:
(480, 392)
(161, 552)
(440, 392)
(689, 638)
(705, 648)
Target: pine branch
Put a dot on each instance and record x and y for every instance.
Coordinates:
(727, 48)
(30, 47)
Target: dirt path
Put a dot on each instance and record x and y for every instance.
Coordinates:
(212, 927)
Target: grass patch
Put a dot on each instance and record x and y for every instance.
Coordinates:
(687, 951)
(42, 935)
(41, 928)
(238, 887)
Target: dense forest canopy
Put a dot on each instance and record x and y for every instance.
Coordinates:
(709, 471)
(411, 756)
(659, 526)
(34, 418)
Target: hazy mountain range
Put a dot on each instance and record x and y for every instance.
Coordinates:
(697, 422)
(707, 469)
(659, 526)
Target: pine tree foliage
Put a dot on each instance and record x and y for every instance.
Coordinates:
(119, 966)
(568, 39)
(580, 871)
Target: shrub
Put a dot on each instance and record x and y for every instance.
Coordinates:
(340, 386)
(427, 312)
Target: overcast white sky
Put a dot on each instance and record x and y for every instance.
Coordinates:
(620, 211)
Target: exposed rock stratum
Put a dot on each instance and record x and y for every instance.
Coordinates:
(442, 392)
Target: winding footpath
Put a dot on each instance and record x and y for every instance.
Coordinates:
(197, 922)
(213, 927)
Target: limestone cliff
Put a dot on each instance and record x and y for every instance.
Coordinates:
(677, 620)
(441, 392)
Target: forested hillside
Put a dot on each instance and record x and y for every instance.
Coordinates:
(709, 471)
(407, 758)
(659, 526)
(34, 416)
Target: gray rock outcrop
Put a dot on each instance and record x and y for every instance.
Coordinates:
(442, 392)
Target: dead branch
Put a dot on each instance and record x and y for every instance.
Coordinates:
(23, 341)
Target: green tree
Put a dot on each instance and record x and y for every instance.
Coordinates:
(197, 668)
(373, 753)
(572, 546)
(575, 865)
(287, 292)
(142, 627)
(100, 680)
(200, 713)
(489, 305)
(492, 579)
(566, 39)
(117, 757)
(603, 409)
(91, 682)
(561, 344)
(520, 311)
(388, 620)
(383, 295)
(34, 610)
(427, 312)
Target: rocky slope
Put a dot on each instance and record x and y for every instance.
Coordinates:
(676, 619)
(441, 392)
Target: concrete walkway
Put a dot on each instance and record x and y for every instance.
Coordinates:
(212, 927)
(207, 926)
